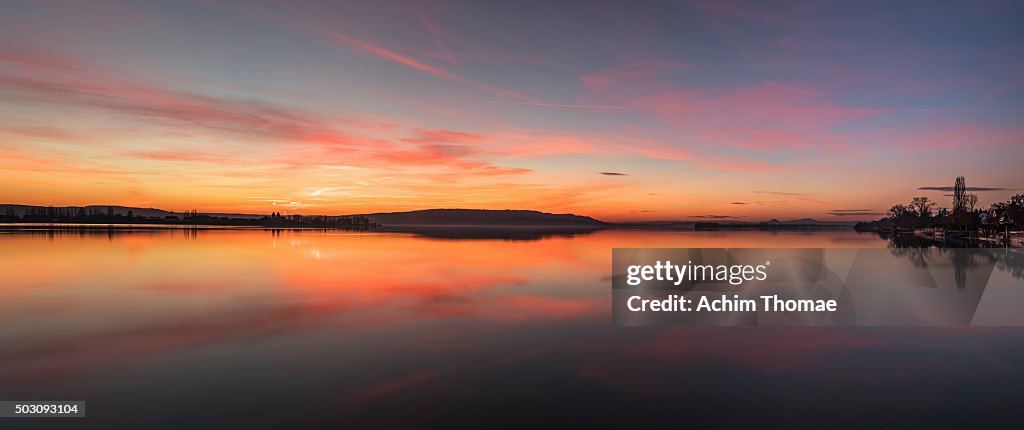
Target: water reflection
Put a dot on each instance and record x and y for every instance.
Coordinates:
(494, 233)
(965, 260)
(911, 240)
(157, 329)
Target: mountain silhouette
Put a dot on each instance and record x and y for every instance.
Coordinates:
(481, 217)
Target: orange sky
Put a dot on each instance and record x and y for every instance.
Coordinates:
(711, 111)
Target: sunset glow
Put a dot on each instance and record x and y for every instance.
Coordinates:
(676, 111)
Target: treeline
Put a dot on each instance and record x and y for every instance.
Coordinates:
(965, 215)
(316, 221)
(52, 215)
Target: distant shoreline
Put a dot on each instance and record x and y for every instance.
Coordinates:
(140, 226)
(454, 218)
(400, 227)
(446, 229)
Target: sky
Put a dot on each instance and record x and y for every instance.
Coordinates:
(684, 110)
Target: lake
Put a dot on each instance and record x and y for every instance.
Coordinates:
(167, 329)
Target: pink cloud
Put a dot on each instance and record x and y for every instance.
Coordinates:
(51, 133)
(426, 68)
(46, 80)
(501, 57)
(378, 51)
(422, 135)
(414, 64)
(625, 74)
(748, 167)
(185, 156)
(759, 138)
(580, 106)
(544, 144)
(785, 195)
(435, 32)
(757, 117)
(775, 103)
(962, 135)
(23, 56)
(788, 105)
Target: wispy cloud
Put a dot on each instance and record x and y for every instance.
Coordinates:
(185, 155)
(735, 167)
(578, 106)
(786, 195)
(421, 66)
(379, 51)
(614, 174)
(966, 188)
(424, 135)
(854, 212)
(623, 75)
(716, 216)
(435, 33)
(50, 81)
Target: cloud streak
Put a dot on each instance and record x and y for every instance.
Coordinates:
(855, 212)
(407, 61)
(966, 189)
(435, 33)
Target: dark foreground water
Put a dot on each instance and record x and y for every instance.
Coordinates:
(184, 329)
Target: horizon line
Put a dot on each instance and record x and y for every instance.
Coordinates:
(694, 219)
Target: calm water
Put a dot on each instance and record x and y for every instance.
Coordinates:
(167, 328)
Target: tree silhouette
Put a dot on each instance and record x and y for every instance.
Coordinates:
(959, 195)
(970, 202)
(922, 207)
